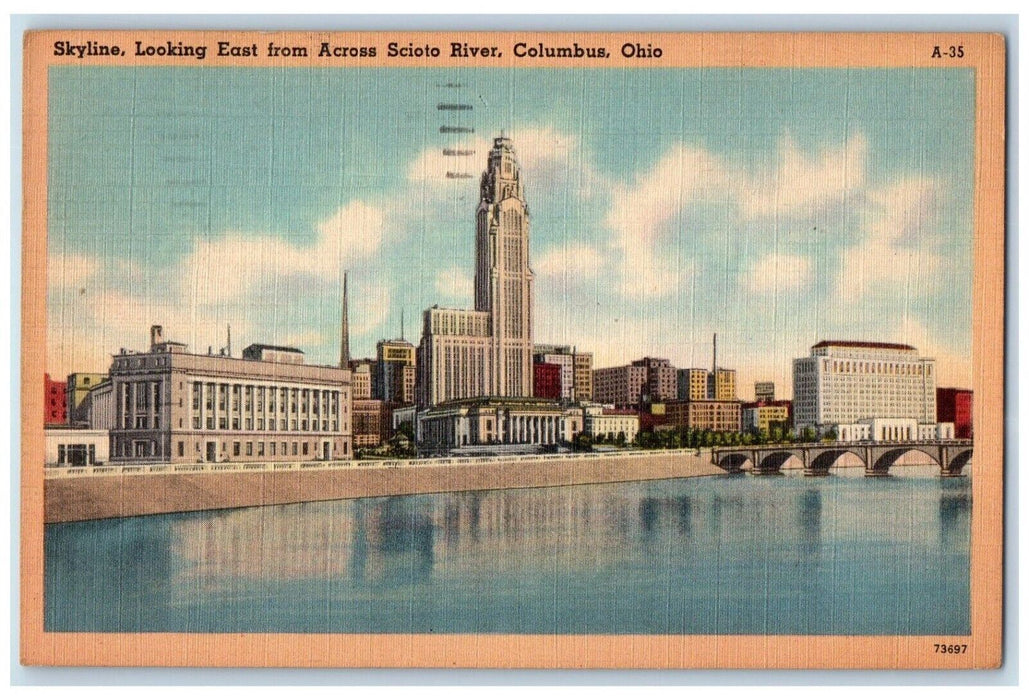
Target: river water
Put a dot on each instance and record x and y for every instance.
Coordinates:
(730, 555)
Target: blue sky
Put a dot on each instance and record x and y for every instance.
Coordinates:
(775, 207)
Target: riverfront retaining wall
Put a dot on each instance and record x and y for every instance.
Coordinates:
(93, 496)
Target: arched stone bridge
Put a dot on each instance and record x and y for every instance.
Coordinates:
(818, 458)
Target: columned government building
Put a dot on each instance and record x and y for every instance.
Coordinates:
(486, 351)
(174, 406)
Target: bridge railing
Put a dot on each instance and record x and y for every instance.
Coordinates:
(956, 442)
(57, 472)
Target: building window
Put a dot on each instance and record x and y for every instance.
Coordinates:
(305, 449)
(260, 449)
(271, 448)
(294, 449)
(250, 449)
(235, 449)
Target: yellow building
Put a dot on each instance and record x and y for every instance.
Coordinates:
(79, 386)
(764, 415)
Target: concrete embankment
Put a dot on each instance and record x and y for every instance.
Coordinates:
(115, 495)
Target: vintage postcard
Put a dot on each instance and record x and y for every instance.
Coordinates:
(543, 350)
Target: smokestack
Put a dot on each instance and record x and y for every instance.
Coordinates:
(156, 337)
(344, 340)
(228, 339)
(714, 354)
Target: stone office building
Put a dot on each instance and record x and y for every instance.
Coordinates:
(175, 406)
(846, 382)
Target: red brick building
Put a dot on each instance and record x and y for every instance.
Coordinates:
(546, 380)
(55, 407)
(955, 406)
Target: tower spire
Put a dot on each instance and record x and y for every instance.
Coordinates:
(344, 339)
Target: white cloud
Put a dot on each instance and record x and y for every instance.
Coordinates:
(800, 184)
(208, 288)
(432, 164)
(779, 272)
(953, 367)
(70, 270)
(455, 282)
(574, 261)
(372, 311)
(230, 266)
(645, 218)
(897, 247)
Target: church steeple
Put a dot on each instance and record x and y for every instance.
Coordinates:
(344, 339)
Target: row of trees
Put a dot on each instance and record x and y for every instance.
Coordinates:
(402, 444)
(692, 438)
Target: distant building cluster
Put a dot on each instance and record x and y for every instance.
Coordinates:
(476, 383)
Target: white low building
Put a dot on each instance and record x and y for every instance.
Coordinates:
(608, 422)
(497, 421)
(893, 430)
(75, 447)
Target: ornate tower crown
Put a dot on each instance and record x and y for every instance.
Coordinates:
(502, 177)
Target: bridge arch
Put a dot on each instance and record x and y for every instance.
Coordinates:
(882, 463)
(773, 462)
(734, 461)
(957, 462)
(822, 463)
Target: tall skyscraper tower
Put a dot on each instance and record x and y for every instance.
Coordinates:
(503, 280)
(486, 351)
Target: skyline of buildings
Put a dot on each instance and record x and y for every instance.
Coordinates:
(265, 253)
(477, 378)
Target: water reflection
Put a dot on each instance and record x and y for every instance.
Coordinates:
(809, 520)
(791, 555)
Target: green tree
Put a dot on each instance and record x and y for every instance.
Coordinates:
(582, 442)
(406, 428)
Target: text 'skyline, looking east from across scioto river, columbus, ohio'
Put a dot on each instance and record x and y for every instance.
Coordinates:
(453, 50)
